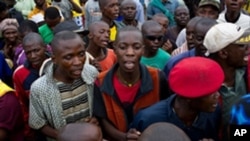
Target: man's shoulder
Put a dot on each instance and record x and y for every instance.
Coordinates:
(40, 84)
(159, 107)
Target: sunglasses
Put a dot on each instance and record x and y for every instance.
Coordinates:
(153, 38)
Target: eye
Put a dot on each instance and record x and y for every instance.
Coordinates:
(67, 57)
(82, 54)
(137, 46)
(122, 47)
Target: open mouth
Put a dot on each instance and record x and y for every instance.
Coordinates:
(129, 64)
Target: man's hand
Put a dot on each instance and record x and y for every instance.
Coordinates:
(92, 120)
(167, 46)
(132, 135)
(96, 64)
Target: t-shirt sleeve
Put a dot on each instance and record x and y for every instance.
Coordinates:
(10, 112)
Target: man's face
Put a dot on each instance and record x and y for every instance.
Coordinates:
(69, 59)
(153, 38)
(52, 22)
(35, 53)
(39, 3)
(190, 29)
(182, 16)
(100, 35)
(234, 5)
(163, 22)
(208, 11)
(200, 32)
(207, 103)
(129, 49)
(10, 35)
(111, 10)
(128, 11)
(237, 55)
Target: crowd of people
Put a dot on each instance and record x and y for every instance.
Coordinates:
(124, 70)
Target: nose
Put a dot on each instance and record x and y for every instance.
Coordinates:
(32, 55)
(107, 34)
(130, 51)
(116, 8)
(216, 95)
(77, 61)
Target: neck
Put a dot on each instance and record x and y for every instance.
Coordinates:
(232, 16)
(130, 22)
(94, 50)
(59, 76)
(128, 78)
(184, 111)
(149, 54)
(229, 73)
(110, 22)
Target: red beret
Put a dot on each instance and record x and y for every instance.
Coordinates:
(196, 77)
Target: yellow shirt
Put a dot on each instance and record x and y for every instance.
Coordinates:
(247, 6)
(75, 14)
(4, 88)
(113, 31)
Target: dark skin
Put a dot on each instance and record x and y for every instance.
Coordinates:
(98, 41)
(128, 48)
(187, 110)
(128, 10)
(98, 30)
(233, 10)
(110, 11)
(224, 57)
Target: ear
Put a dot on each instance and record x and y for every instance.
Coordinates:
(90, 35)
(53, 58)
(223, 54)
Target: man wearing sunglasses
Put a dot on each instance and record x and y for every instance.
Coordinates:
(153, 55)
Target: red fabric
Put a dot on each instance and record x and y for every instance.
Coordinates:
(11, 116)
(125, 94)
(196, 77)
(21, 79)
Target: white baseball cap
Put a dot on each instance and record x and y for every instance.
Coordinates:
(221, 35)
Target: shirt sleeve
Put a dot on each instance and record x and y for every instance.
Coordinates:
(36, 118)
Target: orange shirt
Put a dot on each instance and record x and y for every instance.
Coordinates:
(108, 61)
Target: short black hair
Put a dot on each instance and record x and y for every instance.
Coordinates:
(51, 13)
(28, 25)
(148, 24)
(103, 3)
(33, 37)
(124, 29)
(62, 36)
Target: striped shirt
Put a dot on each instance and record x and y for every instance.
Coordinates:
(74, 101)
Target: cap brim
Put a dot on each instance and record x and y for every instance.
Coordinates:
(245, 38)
(82, 31)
